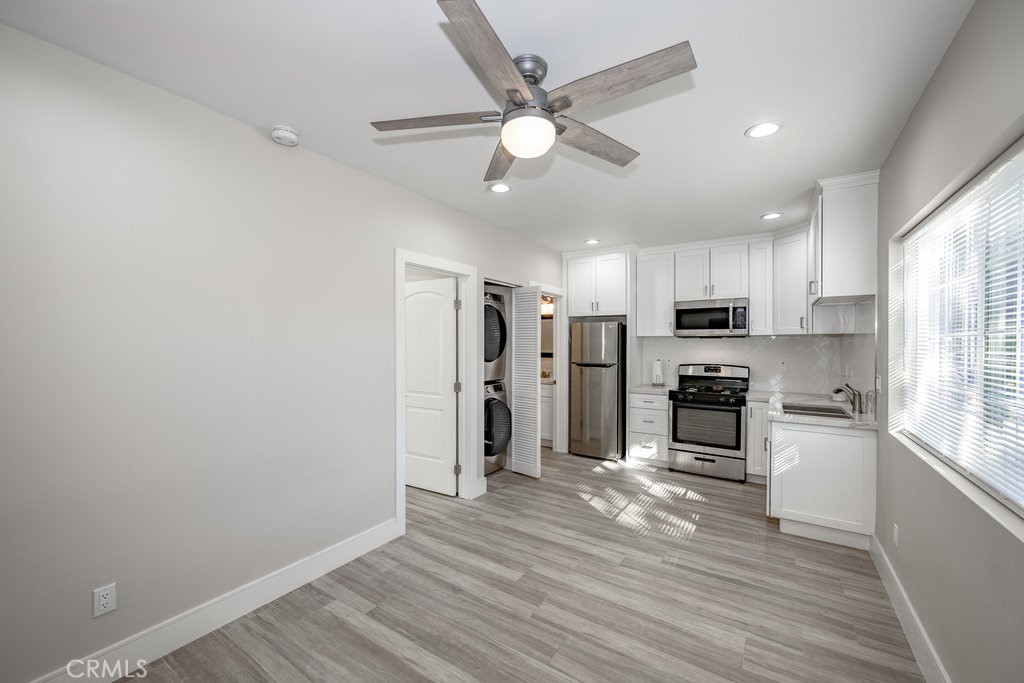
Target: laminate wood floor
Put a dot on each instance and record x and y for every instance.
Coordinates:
(596, 572)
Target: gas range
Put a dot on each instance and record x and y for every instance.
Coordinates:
(712, 385)
(707, 432)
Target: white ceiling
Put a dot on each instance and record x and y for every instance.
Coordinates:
(842, 76)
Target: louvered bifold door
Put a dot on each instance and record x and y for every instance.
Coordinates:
(526, 381)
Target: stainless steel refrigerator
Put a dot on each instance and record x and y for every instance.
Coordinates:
(597, 405)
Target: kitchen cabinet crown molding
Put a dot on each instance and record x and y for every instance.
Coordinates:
(853, 180)
(707, 244)
(628, 249)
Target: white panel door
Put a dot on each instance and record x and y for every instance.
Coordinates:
(610, 285)
(757, 438)
(580, 294)
(692, 274)
(759, 314)
(525, 448)
(790, 297)
(729, 272)
(430, 373)
(655, 295)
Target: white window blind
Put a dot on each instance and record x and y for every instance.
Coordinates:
(963, 297)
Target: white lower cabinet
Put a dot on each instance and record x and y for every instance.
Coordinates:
(757, 439)
(823, 482)
(547, 412)
(648, 429)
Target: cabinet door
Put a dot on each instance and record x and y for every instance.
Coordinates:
(580, 290)
(790, 298)
(824, 476)
(759, 314)
(757, 438)
(693, 274)
(729, 271)
(849, 232)
(610, 285)
(655, 295)
(814, 256)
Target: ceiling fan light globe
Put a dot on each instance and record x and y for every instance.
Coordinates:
(528, 135)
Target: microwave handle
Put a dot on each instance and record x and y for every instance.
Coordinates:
(730, 317)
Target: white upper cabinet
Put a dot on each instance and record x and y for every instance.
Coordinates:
(580, 291)
(655, 295)
(729, 271)
(790, 284)
(610, 286)
(715, 273)
(693, 274)
(844, 254)
(597, 285)
(759, 312)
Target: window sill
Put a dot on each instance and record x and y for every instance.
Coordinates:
(1002, 515)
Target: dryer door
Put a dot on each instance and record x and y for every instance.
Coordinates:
(497, 426)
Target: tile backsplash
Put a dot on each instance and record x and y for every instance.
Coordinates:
(813, 363)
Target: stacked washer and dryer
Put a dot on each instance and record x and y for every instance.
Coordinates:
(497, 415)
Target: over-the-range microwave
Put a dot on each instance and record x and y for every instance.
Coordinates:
(711, 318)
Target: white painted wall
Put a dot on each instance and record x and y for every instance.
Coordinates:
(196, 349)
(963, 570)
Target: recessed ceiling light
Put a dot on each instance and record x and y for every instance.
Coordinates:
(499, 187)
(770, 216)
(591, 241)
(764, 129)
(284, 135)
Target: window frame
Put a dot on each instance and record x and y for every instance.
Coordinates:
(976, 488)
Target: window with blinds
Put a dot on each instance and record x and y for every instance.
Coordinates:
(962, 361)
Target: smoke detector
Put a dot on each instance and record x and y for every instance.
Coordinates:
(283, 135)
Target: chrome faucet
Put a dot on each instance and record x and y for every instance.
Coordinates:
(854, 396)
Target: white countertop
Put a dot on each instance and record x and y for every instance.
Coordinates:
(775, 413)
(650, 389)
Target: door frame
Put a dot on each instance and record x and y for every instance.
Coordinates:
(560, 342)
(471, 482)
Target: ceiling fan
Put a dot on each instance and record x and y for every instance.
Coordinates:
(533, 117)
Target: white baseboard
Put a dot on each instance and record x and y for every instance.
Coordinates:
(927, 658)
(165, 637)
(821, 533)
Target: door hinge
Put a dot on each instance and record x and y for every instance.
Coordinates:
(458, 304)
(458, 470)
(458, 387)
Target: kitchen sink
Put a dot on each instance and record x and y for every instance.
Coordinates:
(814, 411)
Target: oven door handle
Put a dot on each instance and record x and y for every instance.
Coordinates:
(705, 406)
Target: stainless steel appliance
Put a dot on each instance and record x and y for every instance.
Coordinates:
(707, 432)
(495, 337)
(597, 410)
(497, 427)
(712, 318)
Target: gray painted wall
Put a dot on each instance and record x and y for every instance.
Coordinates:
(962, 569)
(196, 350)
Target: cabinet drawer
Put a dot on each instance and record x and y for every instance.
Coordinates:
(650, 401)
(647, 446)
(648, 421)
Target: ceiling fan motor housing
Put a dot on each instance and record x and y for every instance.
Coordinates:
(532, 67)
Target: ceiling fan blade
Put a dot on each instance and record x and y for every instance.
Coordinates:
(584, 138)
(625, 78)
(500, 163)
(434, 121)
(485, 46)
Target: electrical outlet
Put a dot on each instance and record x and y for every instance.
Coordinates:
(878, 384)
(782, 366)
(104, 600)
(896, 535)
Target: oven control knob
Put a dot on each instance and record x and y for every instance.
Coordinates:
(732, 401)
